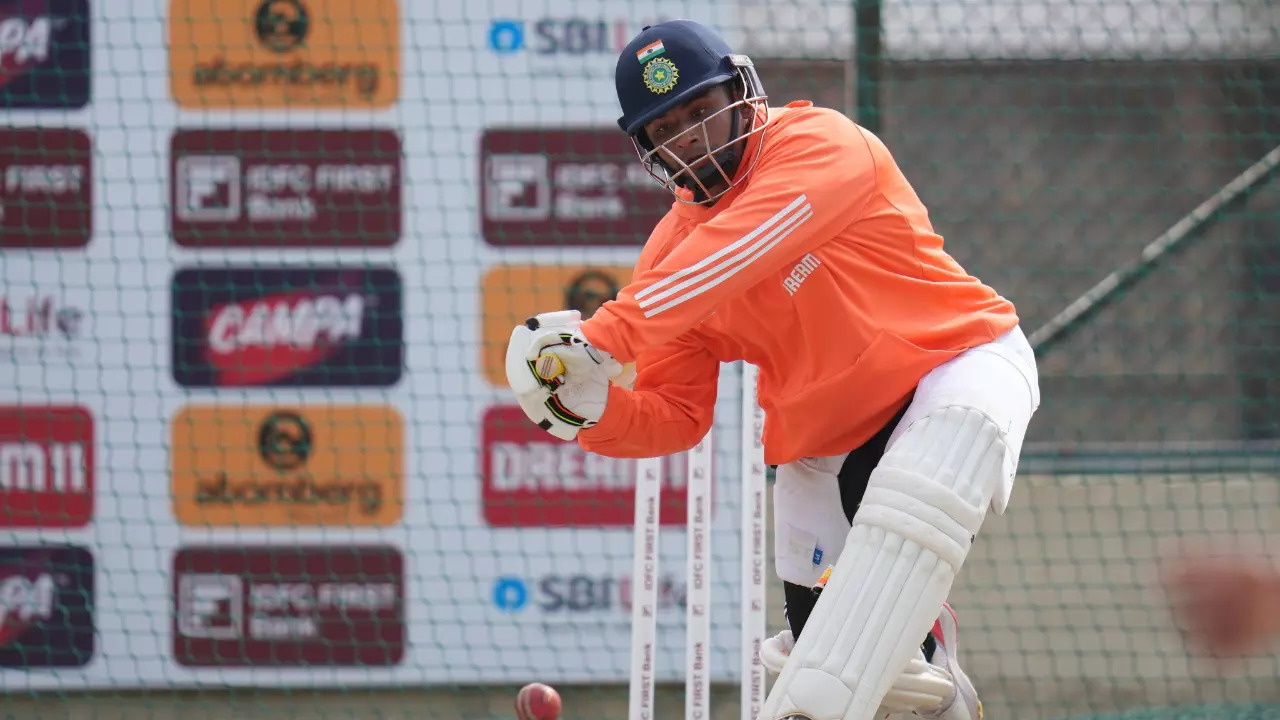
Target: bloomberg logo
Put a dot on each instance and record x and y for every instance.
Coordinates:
(553, 594)
(561, 36)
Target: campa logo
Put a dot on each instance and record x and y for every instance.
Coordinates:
(46, 606)
(293, 326)
(44, 53)
(24, 42)
(23, 601)
(302, 323)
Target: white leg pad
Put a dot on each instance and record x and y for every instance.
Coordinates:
(912, 532)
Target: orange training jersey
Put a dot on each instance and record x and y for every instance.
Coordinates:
(821, 269)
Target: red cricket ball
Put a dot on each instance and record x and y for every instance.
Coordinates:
(537, 701)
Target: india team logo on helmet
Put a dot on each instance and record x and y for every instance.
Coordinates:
(660, 75)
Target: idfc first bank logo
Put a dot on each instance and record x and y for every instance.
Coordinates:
(558, 37)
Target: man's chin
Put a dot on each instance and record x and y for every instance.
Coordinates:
(703, 197)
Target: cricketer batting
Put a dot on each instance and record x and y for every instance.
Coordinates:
(897, 388)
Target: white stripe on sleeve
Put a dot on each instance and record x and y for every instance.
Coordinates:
(698, 278)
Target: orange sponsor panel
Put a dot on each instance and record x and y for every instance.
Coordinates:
(254, 54)
(514, 293)
(279, 466)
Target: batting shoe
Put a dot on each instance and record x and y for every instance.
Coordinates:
(963, 703)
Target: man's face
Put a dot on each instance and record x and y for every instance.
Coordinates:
(586, 295)
(688, 133)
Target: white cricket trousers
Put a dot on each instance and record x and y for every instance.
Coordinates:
(809, 522)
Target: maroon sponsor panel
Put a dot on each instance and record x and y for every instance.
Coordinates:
(280, 606)
(566, 187)
(46, 466)
(287, 326)
(45, 54)
(259, 187)
(532, 479)
(46, 607)
(46, 188)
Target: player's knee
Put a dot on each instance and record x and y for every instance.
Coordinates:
(957, 446)
(934, 484)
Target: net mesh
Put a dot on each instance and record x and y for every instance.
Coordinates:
(258, 264)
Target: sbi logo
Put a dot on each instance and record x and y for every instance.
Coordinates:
(562, 36)
(506, 36)
(579, 593)
(510, 594)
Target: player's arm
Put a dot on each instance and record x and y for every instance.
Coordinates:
(670, 409)
(811, 185)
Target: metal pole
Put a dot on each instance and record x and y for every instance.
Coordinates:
(1182, 233)
(868, 36)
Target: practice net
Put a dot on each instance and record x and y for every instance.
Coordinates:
(259, 260)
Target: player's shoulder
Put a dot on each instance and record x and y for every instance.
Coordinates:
(802, 116)
(805, 111)
(801, 121)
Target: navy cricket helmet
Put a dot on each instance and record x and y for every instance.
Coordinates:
(670, 64)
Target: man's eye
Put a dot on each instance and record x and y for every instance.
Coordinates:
(699, 112)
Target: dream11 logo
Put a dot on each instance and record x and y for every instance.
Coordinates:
(46, 466)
